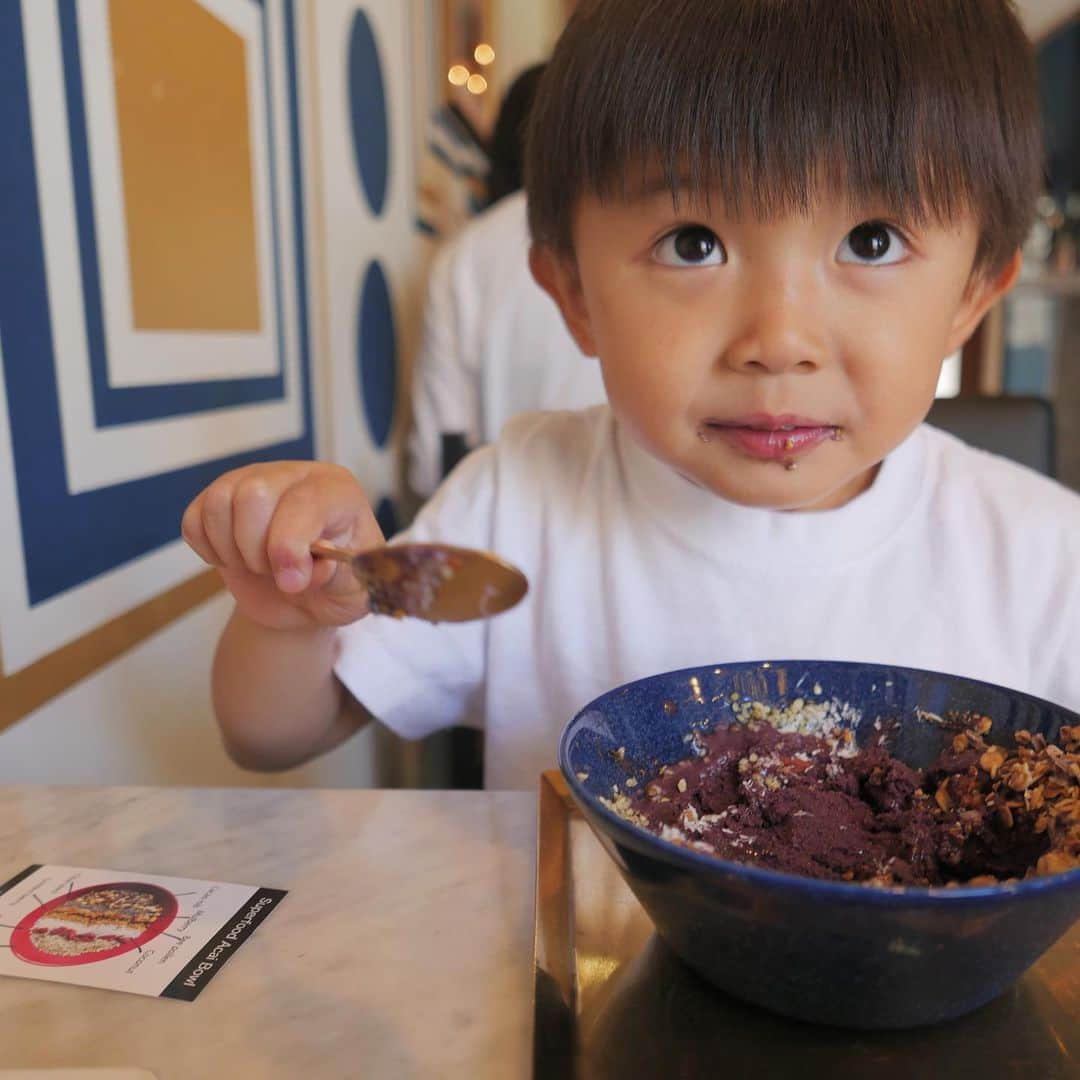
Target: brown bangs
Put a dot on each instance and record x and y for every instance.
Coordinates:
(928, 106)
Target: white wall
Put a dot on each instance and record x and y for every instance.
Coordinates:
(525, 33)
(146, 719)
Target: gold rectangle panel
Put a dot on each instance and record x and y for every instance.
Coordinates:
(186, 160)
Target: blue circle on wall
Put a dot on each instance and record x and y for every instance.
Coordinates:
(386, 516)
(377, 354)
(367, 112)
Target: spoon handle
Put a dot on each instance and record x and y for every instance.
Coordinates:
(323, 550)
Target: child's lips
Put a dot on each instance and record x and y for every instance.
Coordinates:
(768, 438)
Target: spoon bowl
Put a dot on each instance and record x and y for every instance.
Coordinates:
(434, 582)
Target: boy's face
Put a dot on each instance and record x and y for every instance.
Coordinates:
(773, 363)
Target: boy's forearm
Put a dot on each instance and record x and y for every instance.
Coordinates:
(276, 697)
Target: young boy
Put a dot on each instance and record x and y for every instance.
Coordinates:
(770, 220)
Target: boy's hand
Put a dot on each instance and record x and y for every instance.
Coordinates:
(256, 524)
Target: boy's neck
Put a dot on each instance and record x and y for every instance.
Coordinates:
(833, 501)
(845, 494)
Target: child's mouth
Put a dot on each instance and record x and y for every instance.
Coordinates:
(771, 438)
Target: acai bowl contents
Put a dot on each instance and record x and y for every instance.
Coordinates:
(760, 790)
(823, 948)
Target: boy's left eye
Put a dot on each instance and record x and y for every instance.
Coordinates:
(692, 245)
(873, 244)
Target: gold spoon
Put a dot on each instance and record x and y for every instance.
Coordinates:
(434, 582)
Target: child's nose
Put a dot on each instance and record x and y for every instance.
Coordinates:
(775, 335)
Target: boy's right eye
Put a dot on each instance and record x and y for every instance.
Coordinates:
(691, 245)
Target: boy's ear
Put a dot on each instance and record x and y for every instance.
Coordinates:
(558, 277)
(983, 293)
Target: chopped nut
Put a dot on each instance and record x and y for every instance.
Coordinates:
(992, 760)
(681, 785)
(1056, 786)
(1056, 862)
(1020, 775)
(942, 796)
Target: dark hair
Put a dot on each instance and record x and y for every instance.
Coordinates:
(930, 105)
(508, 138)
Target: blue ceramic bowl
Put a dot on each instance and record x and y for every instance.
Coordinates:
(827, 952)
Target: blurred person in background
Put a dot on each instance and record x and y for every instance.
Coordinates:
(454, 166)
(493, 342)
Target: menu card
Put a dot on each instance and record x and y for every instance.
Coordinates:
(141, 933)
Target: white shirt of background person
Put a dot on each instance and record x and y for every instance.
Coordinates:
(493, 343)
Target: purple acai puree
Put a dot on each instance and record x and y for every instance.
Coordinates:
(421, 571)
(814, 805)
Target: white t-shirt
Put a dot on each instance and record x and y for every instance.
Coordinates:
(953, 560)
(493, 343)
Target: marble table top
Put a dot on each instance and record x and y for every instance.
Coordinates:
(404, 947)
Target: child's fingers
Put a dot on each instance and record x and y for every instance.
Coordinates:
(192, 531)
(324, 504)
(217, 523)
(254, 500)
(264, 518)
(298, 520)
(226, 523)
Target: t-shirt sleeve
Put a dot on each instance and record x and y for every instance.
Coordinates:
(445, 393)
(415, 677)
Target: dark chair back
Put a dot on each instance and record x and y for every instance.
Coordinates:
(1020, 428)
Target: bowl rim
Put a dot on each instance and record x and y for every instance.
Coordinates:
(715, 866)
